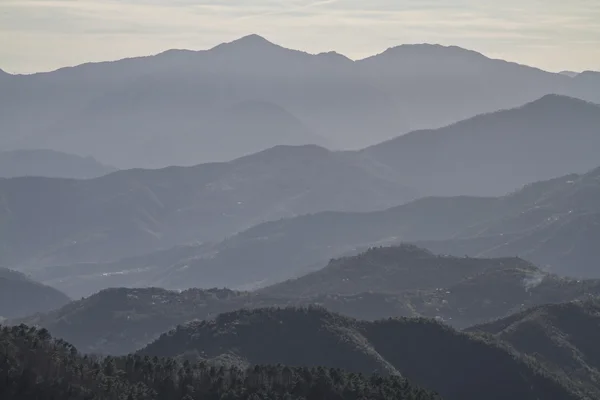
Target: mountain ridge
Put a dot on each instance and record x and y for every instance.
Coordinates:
(50, 164)
(334, 98)
(555, 335)
(21, 296)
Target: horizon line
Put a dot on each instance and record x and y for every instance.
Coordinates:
(254, 36)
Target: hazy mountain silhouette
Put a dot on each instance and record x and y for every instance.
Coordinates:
(273, 251)
(21, 296)
(557, 227)
(494, 153)
(558, 336)
(132, 212)
(552, 223)
(176, 107)
(50, 164)
(458, 366)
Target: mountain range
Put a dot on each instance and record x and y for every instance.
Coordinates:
(36, 366)
(559, 336)
(188, 107)
(492, 154)
(544, 352)
(425, 352)
(415, 225)
(553, 224)
(133, 212)
(402, 281)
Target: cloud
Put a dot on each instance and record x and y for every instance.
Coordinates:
(46, 34)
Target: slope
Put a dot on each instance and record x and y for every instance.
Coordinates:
(458, 365)
(21, 296)
(558, 336)
(558, 231)
(492, 154)
(35, 366)
(50, 164)
(279, 250)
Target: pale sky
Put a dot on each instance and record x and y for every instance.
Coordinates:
(41, 35)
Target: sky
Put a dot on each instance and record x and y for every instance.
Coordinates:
(42, 35)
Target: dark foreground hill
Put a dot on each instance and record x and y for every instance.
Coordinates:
(562, 337)
(34, 366)
(21, 296)
(459, 366)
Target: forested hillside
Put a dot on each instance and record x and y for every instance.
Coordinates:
(34, 366)
(403, 281)
(457, 365)
(561, 337)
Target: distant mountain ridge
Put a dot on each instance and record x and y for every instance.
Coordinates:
(21, 296)
(133, 212)
(492, 154)
(544, 223)
(175, 108)
(51, 164)
(550, 223)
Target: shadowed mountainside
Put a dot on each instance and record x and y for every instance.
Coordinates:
(558, 336)
(458, 365)
(21, 296)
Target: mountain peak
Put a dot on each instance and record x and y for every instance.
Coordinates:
(557, 100)
(334, 55)
(252, 41)
(288, 152)
(253, 38)
(588, 75)
(427, 49)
